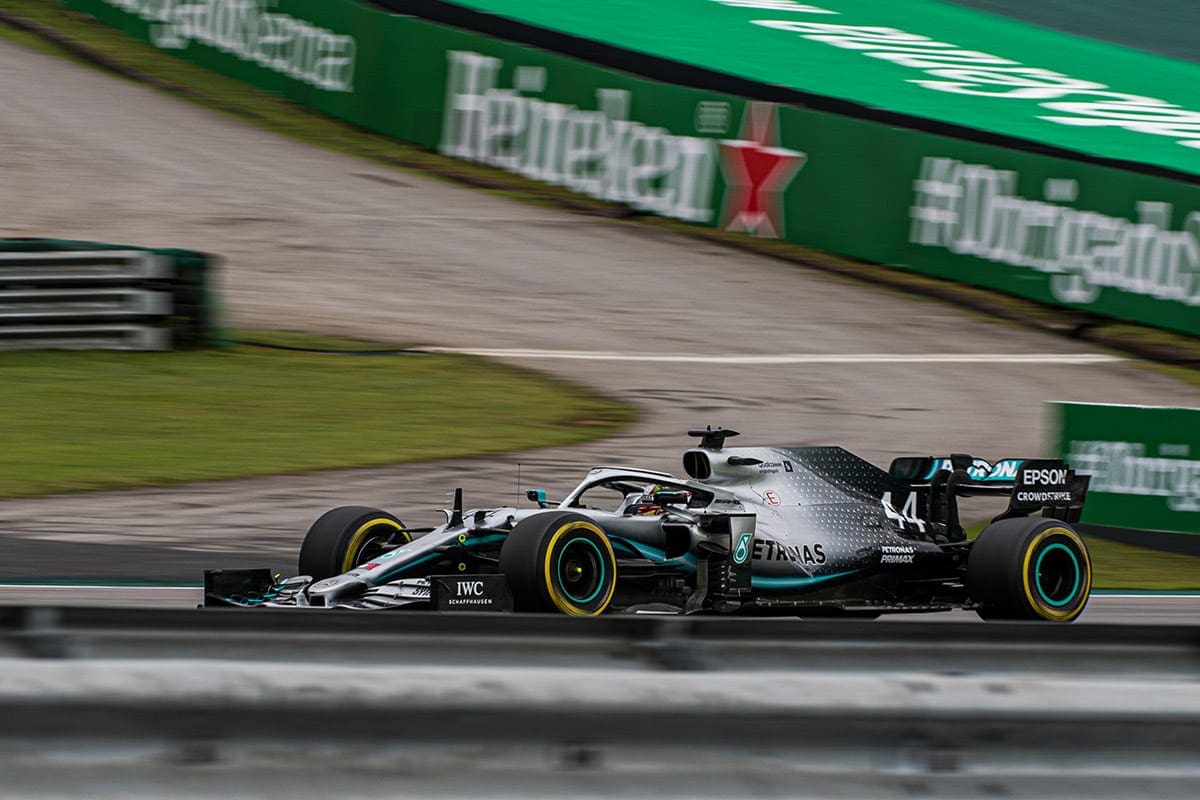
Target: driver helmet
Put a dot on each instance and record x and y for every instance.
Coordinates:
(649, 503)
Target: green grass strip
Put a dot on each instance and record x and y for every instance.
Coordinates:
(104, 420)
(1116, 565)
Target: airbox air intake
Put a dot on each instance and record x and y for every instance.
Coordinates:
(696, 464)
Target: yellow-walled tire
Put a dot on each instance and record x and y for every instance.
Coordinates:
(561, 562)
(345, 537)
(1029, 568)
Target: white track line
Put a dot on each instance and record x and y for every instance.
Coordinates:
(794, 358)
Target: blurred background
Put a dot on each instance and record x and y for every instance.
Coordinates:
(266, 258)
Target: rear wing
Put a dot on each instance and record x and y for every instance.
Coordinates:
(927, 488)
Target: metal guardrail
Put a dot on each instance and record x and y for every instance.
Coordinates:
(42, 304)
(175, 703)
(77, 299)
(84, 337)
(630, 641)
(83, 266)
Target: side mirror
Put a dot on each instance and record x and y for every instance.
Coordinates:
(538, 496)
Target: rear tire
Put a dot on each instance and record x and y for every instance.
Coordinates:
(559, 561)
(1029, 568)
(345, 537)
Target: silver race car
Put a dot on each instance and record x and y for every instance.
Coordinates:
(751, 530)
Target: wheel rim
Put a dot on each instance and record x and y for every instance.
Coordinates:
(370, 541)
(1058, 575)
(580, 570)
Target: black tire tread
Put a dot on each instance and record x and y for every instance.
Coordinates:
(521, 558)
(325, 544)
(995, 564)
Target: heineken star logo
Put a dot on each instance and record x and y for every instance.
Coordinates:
(757, 171)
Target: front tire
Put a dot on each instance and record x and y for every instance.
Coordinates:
(559, 561)
(345, 537)
(1029, 568)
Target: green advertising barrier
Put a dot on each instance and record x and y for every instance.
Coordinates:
(1165, 27)
(1110, 241)
(919, 57)
(1144, 462)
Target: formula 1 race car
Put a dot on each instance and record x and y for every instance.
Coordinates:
(752, 530)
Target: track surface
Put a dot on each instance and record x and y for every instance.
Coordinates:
(318, 241)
